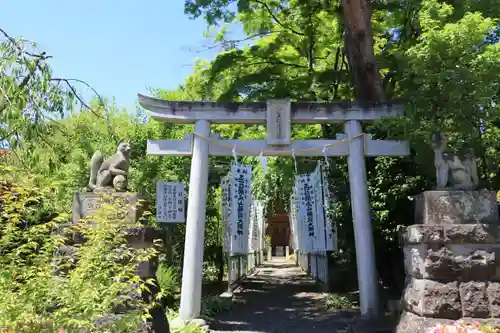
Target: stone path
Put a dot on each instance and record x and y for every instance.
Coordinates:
(280, 298)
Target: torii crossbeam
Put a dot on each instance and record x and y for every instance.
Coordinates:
(278, 116)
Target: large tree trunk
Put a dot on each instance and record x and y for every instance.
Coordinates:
(358, 41)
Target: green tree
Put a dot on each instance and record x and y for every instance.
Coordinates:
(439, 57)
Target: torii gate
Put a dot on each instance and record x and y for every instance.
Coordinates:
(278, 115)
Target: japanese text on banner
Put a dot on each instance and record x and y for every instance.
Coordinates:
(240, 207)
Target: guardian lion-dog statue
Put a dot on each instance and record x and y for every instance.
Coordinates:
(111, 172)
(457, 171)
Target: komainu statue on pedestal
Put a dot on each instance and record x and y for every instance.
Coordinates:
(111, 172)
(453, 170)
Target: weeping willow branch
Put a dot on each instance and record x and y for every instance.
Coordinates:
(28, 92)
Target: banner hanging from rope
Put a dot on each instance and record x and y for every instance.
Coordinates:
(261, 219)
(256, 225)
(225, 211)
(331, 229)
(319, 241)
(293, 220)
(252, 227)
(310, 219)
(241, 176)
(304, 212)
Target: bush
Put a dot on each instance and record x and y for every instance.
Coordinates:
(169, 280)
(210, 272)
(212, 305)
(340, 301)
(39, 293)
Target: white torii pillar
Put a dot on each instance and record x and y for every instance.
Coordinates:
(204, 113)
(192, 271)
(361, 215)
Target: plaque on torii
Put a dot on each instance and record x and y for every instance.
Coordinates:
(279, 121)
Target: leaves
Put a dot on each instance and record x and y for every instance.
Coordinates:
(102, 273)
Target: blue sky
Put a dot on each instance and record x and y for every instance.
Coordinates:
(119, 47)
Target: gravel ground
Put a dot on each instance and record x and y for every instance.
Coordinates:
(280, 298)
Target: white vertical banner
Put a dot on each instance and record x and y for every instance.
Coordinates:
(304, 214)
(170, 202)
(295, 203)
(258, 225)
(241, 176)
(225, 211)
(261, 222)
(309, 211)
(331, 228)
(319, 221)
(310, 220)
(292, 217)
(251, 227)
(255, 225)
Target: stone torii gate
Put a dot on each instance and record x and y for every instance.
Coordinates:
(278, 115)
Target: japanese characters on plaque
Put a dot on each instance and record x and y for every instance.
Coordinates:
(170, 202)
(279, 122)
(241, 176)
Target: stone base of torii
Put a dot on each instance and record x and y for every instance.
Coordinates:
(278, 115)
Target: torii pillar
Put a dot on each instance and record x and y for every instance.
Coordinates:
(278, 114)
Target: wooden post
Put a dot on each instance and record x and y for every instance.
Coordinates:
(169, 252)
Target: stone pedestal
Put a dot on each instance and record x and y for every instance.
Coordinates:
(452, 261)
(88, 203)
(456, 207)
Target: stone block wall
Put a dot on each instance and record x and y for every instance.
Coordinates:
(452, 269)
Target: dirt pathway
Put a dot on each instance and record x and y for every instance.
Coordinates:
(280, 298)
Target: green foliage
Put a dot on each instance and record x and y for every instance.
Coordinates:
(38, 289)
(291, 54)
(213, 305)
(268, 240)
(340, 301)
(210, 307)
(189, 328)
(168, 279)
